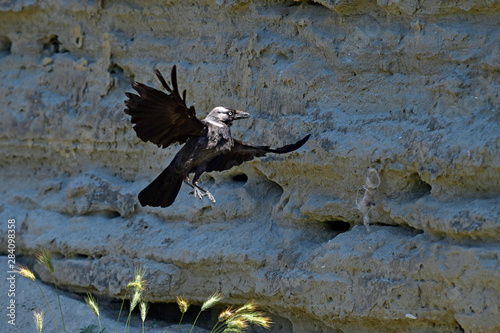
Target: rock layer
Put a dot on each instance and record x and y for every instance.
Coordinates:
(409, 88)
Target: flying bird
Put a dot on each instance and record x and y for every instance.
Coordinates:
(164, 118)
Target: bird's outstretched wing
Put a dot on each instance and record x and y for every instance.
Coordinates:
(242, 152)
(160, 117)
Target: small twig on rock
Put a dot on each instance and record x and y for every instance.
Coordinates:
(368, 202)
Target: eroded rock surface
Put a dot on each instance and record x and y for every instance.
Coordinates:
(409, 88)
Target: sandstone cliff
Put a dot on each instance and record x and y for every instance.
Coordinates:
(409, 88)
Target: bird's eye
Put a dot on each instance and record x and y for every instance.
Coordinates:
(230, 113)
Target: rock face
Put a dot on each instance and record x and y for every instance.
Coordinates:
(408, 88)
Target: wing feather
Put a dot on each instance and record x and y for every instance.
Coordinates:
(162, 118)
(243, 152)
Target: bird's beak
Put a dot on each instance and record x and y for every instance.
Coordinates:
(240, 114)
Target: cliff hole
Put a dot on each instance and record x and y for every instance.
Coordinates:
(240, 178)
(324, 231)
(120, 76)
(419, 187)
(337, 226)
(115, 69)
(169, 313)
(52, 45)
(5, 46)
(106, 213)
(80, 256)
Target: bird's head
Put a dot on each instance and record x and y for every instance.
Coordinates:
(226, 115)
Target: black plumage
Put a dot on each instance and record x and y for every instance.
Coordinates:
(164, 119)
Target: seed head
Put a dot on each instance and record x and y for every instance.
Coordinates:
(92, 304)
(143, 306)
(26, 272)
(247, 314)
(45, 259)
(183, 304)
(237, 322)
(257, 318)
(226, 314)
(250, 306)
(38, 317)
(211, 301)
(138, 282)
(135, 299)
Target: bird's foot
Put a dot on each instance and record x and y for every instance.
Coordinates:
(200, 193)
(210, 196)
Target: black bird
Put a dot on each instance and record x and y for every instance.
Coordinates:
(164, 118)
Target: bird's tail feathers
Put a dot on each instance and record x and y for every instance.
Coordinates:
(290, 147)
(163, 190)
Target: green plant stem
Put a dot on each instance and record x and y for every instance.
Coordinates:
(213, 328)
(59, 300)
(45, 298)
(99, 320)
(128, 322)
(221, 328)
(121, 308)
(192, 327)
(142, 327)
(179, 325)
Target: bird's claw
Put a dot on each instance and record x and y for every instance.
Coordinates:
(210, 196)
(200, 194)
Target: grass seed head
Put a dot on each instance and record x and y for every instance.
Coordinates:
(226, 314)
(183, 304)
(237, 322)
(26, 272)
(135, 299)
(250, 306)
(138, 282)
(211, 301)
(92, 304)
(38, 317)
(257, 318)
(45, 259)
(143, 306)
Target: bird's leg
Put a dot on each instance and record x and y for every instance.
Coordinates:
(195, 183)
(208, 194)
(198, 191)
